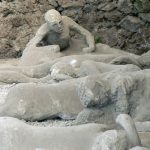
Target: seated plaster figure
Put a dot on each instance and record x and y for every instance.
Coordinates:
(56, 32)
(53, 36)
(16, 135)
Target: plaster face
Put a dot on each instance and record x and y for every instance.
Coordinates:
(56, 26)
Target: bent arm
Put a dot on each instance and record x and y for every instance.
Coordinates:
(40, 34)
(88, 36)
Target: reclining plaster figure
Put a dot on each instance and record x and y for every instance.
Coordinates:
(38, 101)
(142, 61)
(14, 135)
(122, 92)
(16, 74)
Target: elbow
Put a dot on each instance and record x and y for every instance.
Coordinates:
(92, 47)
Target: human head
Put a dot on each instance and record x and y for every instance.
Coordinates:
(54, 20)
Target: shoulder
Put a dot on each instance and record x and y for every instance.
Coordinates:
(66, 19)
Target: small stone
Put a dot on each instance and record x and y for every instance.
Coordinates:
(125, 6)
(88, 8)
(124, 33)
(71, 3)
(145, 17)
(109, 7)
(113, 16)
(109, 36)
(131, 23)
(100, 6)
(92, 1)
(72, 13)
(53, 3)
(142, 5)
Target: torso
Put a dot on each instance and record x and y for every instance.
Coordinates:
(53, 38)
